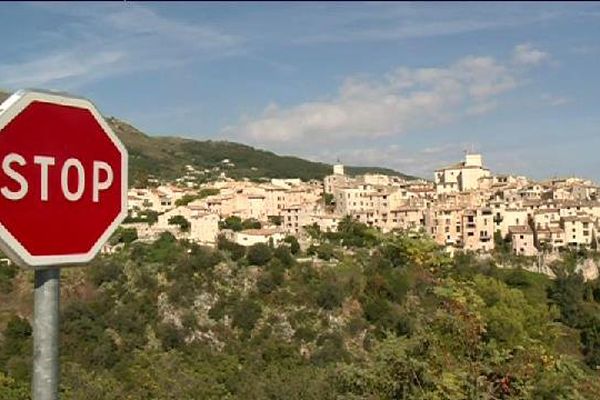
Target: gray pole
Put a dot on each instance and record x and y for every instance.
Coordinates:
(45, 334)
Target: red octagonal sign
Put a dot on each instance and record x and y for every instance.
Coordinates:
(63, 179)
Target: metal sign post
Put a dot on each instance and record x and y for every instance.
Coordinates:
(45, 334)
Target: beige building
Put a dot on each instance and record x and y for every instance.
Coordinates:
(547, 217)
(204, 226)
(522, 239)
(444, 224)
(478, 230)
(294, 218)
(325, 222)
(579, 230)
(462, 176)
(552, 238)
(504, 217)
(250, 237)
(406, 218)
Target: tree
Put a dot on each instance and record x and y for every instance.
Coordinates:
(251, 223)
(7, 273)
(124, 235)
(328, 199)
(245, 315)
(294, 245)
(11, 389)
(232, 222)
(355, 234)
(325, 251)
(314, 230)
(147, 216)
(180, 220)
(283, 254)
(567, 293)
(259, 254)
(276, 220)
(330, 295)
(16, 348)
(208, 192)
(590, 339)
(185, 200)
(236, 251)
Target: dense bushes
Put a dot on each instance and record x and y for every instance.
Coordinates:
(179, 220)
(259, 254)
(7, 274)
(395, 319)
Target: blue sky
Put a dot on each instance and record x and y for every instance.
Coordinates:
(404, 85)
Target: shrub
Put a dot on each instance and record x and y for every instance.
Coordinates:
(234, 223)
(325, 251)
(259, 254)
(330, 295)
(245, 315)
(283, 254)
(294, 245)
(236, 251)
(124, 235)
(251, 223)
(276, 219)
(180, 220)
(7, 273)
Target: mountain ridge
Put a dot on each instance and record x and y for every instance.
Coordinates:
(165, 157)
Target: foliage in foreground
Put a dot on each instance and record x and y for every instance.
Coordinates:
(387, 317)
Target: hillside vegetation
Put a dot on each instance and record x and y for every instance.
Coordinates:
(358, 315)
(166, 158)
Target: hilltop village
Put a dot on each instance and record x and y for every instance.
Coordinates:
(465, 208)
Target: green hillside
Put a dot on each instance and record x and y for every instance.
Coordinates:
(166, 157)
(357, 315)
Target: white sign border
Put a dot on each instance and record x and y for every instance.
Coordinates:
(12, 107)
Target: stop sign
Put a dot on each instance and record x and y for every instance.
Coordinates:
(63, 179)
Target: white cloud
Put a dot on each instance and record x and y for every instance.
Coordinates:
(481, 108)
(404, 100)
(420, 162)
(586, 49)
(391, 21)
(526, 54)
(554, 100)
(108, 40)
(57, 66)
